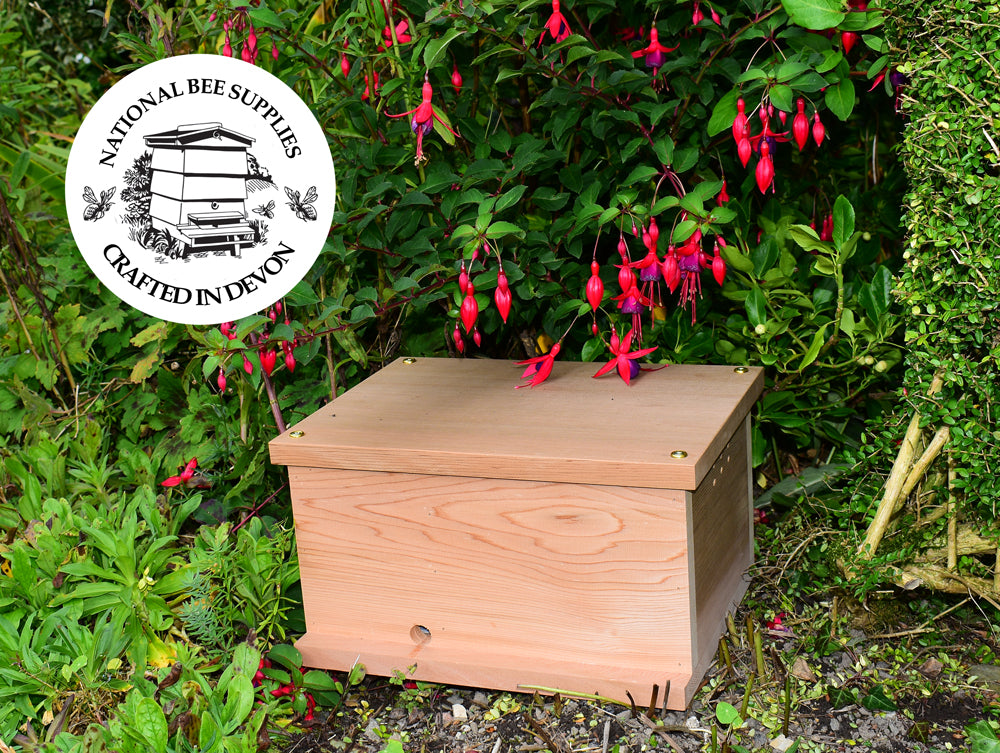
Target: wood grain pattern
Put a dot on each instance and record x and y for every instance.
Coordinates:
(722, 545)
(561, 585)
(463, 417)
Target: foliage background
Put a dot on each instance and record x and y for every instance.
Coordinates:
(564, 146)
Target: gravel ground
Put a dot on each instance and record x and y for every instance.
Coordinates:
(882, 694)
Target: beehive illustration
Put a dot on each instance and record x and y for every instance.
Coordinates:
(199, 187)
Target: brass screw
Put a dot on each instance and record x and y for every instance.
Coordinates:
(679, 454)
(741, 369)
(409, 360)
(296, 434)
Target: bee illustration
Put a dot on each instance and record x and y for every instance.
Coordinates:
(97, 208)
(266, 209)
(303, 207)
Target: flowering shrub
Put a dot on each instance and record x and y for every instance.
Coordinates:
(513, 177)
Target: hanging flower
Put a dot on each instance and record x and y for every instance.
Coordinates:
(556, 25)
(626, 362)
(539, 367)
(654, 52)
(423, 119)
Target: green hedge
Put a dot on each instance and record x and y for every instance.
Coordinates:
(946, 73)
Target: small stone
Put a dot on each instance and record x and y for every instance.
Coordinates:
(834, 725)
(781, 743)
(692, 722)
(459, 713)
(931, 668)
(481, 699)
(455, 698)
(801, 670)
(985, 672)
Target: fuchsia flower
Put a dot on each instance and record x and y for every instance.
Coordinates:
(502, 296)
(539, 367)
(185, 476)
(402, 36)
(469, 310)
(800, 124)
(765, 168)
(595, 286)
(654, 52)
(556, 25)
(623, 360)
(423, 119)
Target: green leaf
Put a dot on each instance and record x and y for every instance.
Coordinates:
(817, 15)
(239, 703)
(286, 655)
(500, 228)
(580, 51)
(843, 221)
(151, 723)
(724, 113)
(840, 98)
(20, 168)
(732, 256)
(266, 18)
(640, 174)
(806, 237)
(727, 714)
(436, 48)
(317, 680)
(982, 738)
(814, 347)
(756, 306)
(349, 341)
(781, 97)
(877, 700)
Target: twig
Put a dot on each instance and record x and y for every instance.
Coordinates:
(897, 476)
(941, 437)
(952, 516)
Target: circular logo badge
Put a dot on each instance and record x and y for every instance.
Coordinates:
(200, 189)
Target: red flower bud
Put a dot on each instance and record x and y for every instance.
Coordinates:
(267, 360)
(289, 361)
(800, 125)
(718, 267)
(469, 310)
(476, 337)
(456, 79)
(221, 381)
(502, 296)
(847, 40)
(744, 150)
(247, 366)
(723, 197)
(457, 337)
(595, 287)
(765, 168)
(740, 123)
(463, 280)
(818, 130)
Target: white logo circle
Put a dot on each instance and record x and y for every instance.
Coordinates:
(200, 189)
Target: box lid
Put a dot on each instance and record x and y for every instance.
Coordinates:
(463, 417)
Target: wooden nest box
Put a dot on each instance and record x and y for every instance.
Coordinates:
(581, 536)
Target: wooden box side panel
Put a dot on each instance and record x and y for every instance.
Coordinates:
(722, 543)
(551, 577)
